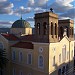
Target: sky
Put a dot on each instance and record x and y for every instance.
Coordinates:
(12, 10)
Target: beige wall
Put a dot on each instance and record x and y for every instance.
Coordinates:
(48, 53)
(58, 50)
(21, 31)
(6, 46)
(35, 53)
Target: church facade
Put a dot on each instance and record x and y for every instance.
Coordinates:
(50, 51)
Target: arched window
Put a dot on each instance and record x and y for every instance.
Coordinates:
(70, 31)
(51, 28)
(64, 53)
(29, 58)
(40, 62)
(61, 31)
(54, 61)
(20, 56)
(1, 46)
(56, 29)
(67, 68)
(14, 71)
(72, 54)
(44, 28)
(13, 55)
(60, 58)
(59, 72)
(38, 28)
(21, 73)
(67, 31)
(63, 70)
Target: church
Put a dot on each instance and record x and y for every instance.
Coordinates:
(49, 51)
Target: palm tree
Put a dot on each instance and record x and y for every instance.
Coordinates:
(3, 60)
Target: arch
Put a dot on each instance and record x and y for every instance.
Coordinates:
(13, 55)
(59, 72)
(1, 46)
(38, 28)
(40, 61)
(44, 28)
(55, 29)
(51, 28)
(29, 58)
(61, 31)
(67, 31)
(70, 31)
(54, 61)
(63, 70)
(64, 53)
(67, 67)
(20, 56)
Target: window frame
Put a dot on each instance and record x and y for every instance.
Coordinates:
(21, 73)
(64, 53)
(13, 55)
(28, 59)
(39, 61)
(72, 54)
(20, 57)
(59, 58)
(53, 60)
(2, 45)
(14, 71)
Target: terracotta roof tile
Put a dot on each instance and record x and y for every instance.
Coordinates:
(27, 38)
(27, 45)
(10, 37)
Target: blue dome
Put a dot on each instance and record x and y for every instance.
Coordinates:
(21, 24)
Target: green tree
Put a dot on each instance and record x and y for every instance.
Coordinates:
(3, 60)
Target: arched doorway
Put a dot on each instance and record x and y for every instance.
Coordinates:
(67, 68)
(59, 72)
(63, 70)
(61, 31)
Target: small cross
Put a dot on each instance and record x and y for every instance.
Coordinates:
(51, 9)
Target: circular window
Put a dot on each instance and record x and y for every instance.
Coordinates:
(40, 49)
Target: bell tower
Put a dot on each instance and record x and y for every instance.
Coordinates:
(46, 27)
(69, 25)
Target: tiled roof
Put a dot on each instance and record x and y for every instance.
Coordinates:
(10, 37)
(21, 24)
(27, 38)
(27, 45)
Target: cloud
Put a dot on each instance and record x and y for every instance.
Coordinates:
(31, 3)
(3, 0)
(5, 24)
(37, 3)
(30, 19)
(70, 14)
(6, 7)
(22, 10)
(37, 10)
(61, 6)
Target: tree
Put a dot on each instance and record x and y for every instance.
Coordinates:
(3, 60)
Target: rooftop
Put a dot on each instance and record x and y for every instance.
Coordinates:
(21, 24)
(10, 37)
(27, 45)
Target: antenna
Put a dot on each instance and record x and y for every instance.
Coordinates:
(21, 15)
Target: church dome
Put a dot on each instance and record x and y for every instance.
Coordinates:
(21, 24)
